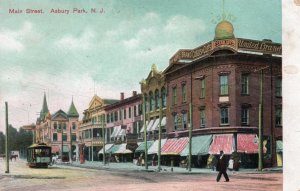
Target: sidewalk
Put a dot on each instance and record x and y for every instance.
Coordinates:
(165, 169)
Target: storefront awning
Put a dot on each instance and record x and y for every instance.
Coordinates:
(279, 146)
(142, 129)
(113, 149)
(154, 147)
(174, 146)
(200, 145)
(141, 147)
(247, 143)
(150, 124)
(55, 149)
(155, 125)
(114, 133)
(107, 147)
(163, 121)
(223, 143)
(122, 149)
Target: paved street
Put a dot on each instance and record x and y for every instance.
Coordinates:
(66, 177)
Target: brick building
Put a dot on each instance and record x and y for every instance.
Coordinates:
(222, 79)
(60, 130)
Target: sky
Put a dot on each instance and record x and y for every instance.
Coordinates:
(78, 55)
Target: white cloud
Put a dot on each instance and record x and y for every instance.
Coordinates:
(83, 42)
(18, 40)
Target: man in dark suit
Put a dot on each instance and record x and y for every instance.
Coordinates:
(222, 167)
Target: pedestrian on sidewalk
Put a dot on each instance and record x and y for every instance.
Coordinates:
(222, 167)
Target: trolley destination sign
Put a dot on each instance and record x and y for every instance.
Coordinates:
(265, 47)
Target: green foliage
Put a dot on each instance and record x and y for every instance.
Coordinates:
(17, 139)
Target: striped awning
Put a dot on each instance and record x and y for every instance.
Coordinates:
(113, 149)
(154, 147)
(174, 146)
(107, 147)
(163, 121)
(200, 145)
(122, 149)
(247, 143)
(150, 124)
(223, 143)
(142, 129)
(141, 147)
(116, 131)
(155, 125)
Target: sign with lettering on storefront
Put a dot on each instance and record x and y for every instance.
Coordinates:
(265, 47)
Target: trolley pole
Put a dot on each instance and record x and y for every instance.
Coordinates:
(159, 134)
(103, 135)
(6, 140)
(145, 133)
(260, 131)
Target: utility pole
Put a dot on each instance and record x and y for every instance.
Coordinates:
(159, 133)
(145, 133)
(103, 135)
(6, 140)
(260, 131)
(70, 152)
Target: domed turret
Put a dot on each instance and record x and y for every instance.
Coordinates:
(224, 30)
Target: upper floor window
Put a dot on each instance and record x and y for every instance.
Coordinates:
(245, 84)
(107, 118)
(224, 115)
(129, 112)
(164, 97)
(175, 119)
(245, 116)
(278, 117)
(140, 107)
(134, 111)
(183, 92)
(278, 90)
(224, 85)
(65, 137)
(116, 116)
(54, 136)
(125, 116)
(73, 137)
(151, 101)
(111, 117)
(55, 125)
(73, 125)
(157, 99)
(120, 114)
(174, 96)
(202, 88)
(202, 118)
(185, 120)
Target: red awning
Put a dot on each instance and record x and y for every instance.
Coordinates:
(55, 149)
(247, 143)
(223, 143)
(174, 146)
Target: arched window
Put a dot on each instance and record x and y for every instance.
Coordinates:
(157, 99)
(151, 101)
(146, 102)
(164, 97)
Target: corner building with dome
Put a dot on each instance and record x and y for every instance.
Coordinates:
(225, 80)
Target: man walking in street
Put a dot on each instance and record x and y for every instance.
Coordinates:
(222, 167)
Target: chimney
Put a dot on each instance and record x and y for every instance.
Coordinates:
(122, 96)
(134, 93)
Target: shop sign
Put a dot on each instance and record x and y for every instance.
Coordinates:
(260, 46)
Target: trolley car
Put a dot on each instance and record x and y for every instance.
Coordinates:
(38, 155)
